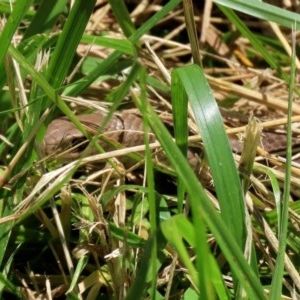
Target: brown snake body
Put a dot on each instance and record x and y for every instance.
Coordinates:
(125, 128)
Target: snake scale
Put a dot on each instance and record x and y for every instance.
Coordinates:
(126, 128)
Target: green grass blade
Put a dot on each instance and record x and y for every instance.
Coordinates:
(264, 11)
(201, 204)
(46, 17)
(151, 189)
(217, 150)
(139, 285)
(133, 240)
(122, 45)
(11, 287)
(174, 230)
(47, 88)
(68, 41)
(5, 9)
(5, 234)
(278, 274)
(256, 43)
(78, 271)
(191, 30)
(122, 15)
(113, 59)
(12, 24)
(180, 116)
(177, 229)
(275, 189)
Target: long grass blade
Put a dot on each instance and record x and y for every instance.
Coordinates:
(277, 278)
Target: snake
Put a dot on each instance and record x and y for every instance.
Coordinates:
(126, 129)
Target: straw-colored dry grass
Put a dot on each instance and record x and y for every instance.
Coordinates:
(85, 228)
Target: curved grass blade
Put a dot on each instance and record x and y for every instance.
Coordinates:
(178, 228)
(180, 116)
(11, 26)
(68, 41)
(217, 149)
(278, 274)
(45, 17)
(201, 204)
(123, 17)
(256, 43)
(106, 65)
(122, 45)
(264, 11)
